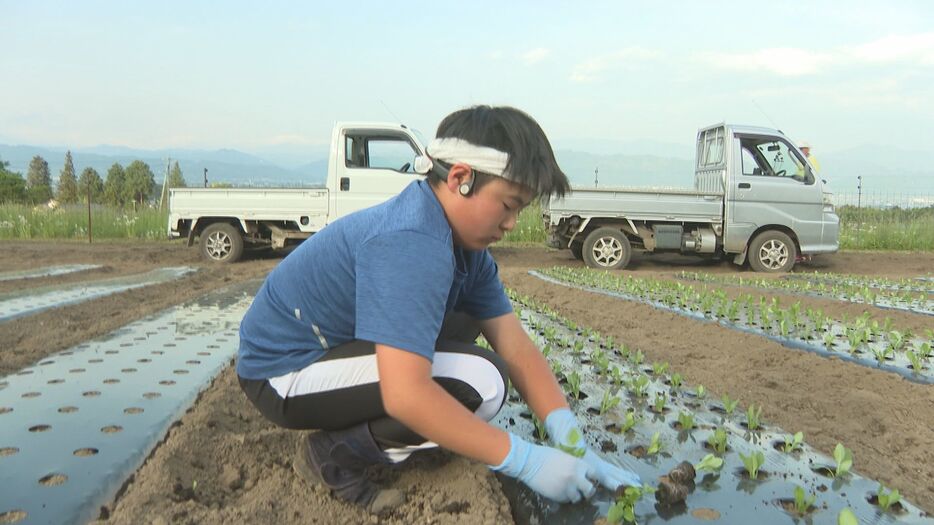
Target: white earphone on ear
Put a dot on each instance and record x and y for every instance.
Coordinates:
(465, 188)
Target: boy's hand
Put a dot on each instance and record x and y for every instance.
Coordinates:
(550, 472)
(564, 433)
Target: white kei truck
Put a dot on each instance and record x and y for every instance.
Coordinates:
(755, 198)
(367, 164)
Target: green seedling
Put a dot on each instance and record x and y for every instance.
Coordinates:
(616, 375)
(701, 392)
(844, 458)
(829, 339)
(655, 446)
(540, 432)
(882, 354)
(572, 444)
(709, 463)
(924, 351)
(752, 462)
(550, 333)
(729, 405)
(717, 440)
(846, 517)
(686, 420)
(623, 510)
(793, 443)
(752, 417)
(574, 382)
(659, 404)
(803, 501)
(676, 380)
(608, 402)
(629, 423)
(546, 350)
(637, 357)
(557, 368)
(639, 385)
(578, 347)
(659, 368)
(887, 499)
(896, 340)
(915, 361)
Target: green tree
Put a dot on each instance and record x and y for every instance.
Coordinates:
(12, 185)
(139, 182)
(90, 179)
(114, 194)
(67, 183)
(176, 180)
(38, 180)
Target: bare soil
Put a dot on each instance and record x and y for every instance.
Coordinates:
(242, 464)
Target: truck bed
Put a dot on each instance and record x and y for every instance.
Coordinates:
(640, 204)
(275, 204)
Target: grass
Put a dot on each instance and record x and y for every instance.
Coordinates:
(530, 229)
(71, 222)
(886, 229)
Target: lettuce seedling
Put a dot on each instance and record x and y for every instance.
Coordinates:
(630, 422)
(578, 347)
(623, 510)
(574, 382)
(887, 499)
(676, 380)
(829, 340)
(729, 405)
(924, 350)
(803, 501)
(846, 517)
(546, 350)
(916, 364)
(709, 463)
(793, 443)
(752, 462)
(608, 402)
(557, 368)
(844, 458)
(752, 417)
(882, 353)
(572, 443)
(655, 446)
(616, 374)
(540, 432)
(701, 392)
(639, 385)
(686, 420)
(659, 368)
(659, 404)
(637, 357)
(717, 440)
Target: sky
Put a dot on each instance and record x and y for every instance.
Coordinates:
(275, 76)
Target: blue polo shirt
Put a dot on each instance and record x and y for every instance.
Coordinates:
(386, 274)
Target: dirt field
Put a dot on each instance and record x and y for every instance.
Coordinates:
(242, 463)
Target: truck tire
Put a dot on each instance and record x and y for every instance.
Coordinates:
(221, 243)
(577, 250)
(772, 251)
(606, 249)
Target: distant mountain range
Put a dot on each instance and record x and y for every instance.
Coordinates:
(633, 163)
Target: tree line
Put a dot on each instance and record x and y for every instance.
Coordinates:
(122, 187)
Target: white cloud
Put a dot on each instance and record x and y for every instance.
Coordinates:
(784, 61)
(535, 56)
(496, 54)
(593, 69)
(917, 48)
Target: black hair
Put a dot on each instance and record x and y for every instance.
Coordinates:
(531, 160)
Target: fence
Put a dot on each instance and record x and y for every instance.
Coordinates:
(884, 200)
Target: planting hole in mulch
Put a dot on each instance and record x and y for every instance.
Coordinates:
(5, 410)
(128, 370)
(67, 410)
(637, 451)
(85, 452)
(608, 446)
(40, 428)
(8, 451)
(192, 362)
(12, 516)
(788, 504)
(111, 429)
(167, 382)
(151, 395)
(32, 394)
(112, 352)
(827, 471)
(180, 371)
(144, 360)
(133, 410)
(95, 360)
(76, 370)
(52, 480)
(49, 362)
(111, 381)
(55, 381)
(762, 475)
(91, 393)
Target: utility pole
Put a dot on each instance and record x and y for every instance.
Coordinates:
(205, 177)
(89, 210)
(165, 183)
(596, 172)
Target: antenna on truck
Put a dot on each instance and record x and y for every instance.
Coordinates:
(397, 119)
(774, 125)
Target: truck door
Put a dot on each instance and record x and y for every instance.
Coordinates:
(375, 167)
(772, 185)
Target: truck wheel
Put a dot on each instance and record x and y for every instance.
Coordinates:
(772, 252)
(606, 249)
(577, 250)
(221, 242)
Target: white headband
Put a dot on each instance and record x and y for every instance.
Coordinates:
(452, 151)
